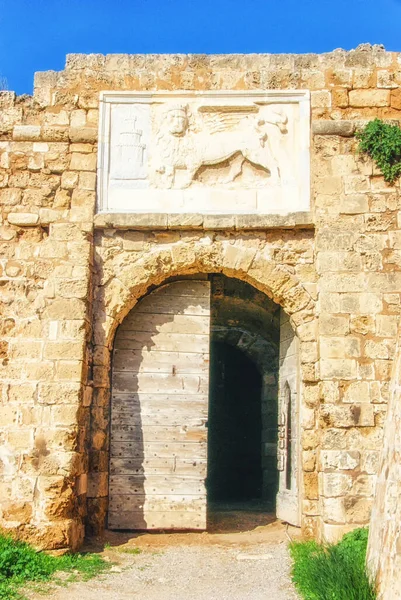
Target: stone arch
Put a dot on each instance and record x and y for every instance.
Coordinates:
(118, 292)
(124, 278)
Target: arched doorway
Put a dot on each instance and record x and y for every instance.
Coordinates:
(161, 455)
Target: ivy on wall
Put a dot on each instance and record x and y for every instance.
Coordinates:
(382, 142)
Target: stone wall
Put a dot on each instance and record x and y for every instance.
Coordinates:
(384, 551)
(69, 277)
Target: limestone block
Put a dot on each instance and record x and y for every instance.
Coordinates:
(370, 303)
(353, 204)
(22, 392)
(83, 198)
(340, 128)
(43, 84)
(370, 461)
(19, 513)
(363, 78)
(343, 282)
(337, 368)
(71, 370)
(357, 392)
(72, 288)
(40, 147)
(10, 196)
(81, 147)
(396, 99)
(310, 440)
(54, 134)
(357, 509)
(67, 232)
(93, 117)
(308, 418)
(78, 118)
(339, 98)
(354, 184)
(21, 349)
(9, 117)
(310, 507)
(308, 352)
(386, 79)
(36, 162)
(23, 219)
(386, 325)
(336, 485)
(362, 324)
(333, 510)
(376, 349)
(72, 308)
(340, 347)
(83, 135)
(329, 185)
(339, 460)
(364, 485)
(61, 199)
(58, 117)
(311, 490)
(355, 415)
(87, 181)
(369, 98)
(20, 439)
(83, 162)
(31, 133)
(65, 415)
(383, 370)
(321, 99)
(330, 302)
(309, 460)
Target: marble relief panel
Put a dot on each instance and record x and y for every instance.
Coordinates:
(222, 152)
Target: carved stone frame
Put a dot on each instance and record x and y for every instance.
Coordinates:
(223, 98)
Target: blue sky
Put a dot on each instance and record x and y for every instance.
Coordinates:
(35, 35)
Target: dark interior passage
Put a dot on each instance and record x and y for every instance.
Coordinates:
(234, 427)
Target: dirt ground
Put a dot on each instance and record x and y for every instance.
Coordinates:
(243, 556)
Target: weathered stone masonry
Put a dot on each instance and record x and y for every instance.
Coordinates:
(69, 276)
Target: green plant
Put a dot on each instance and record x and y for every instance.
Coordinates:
(382, 142)
(333, 571)
(20, 563)
(133, 551)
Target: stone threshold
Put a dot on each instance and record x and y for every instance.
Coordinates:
(164, 221)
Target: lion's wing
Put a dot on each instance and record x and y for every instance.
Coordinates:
(218, 119)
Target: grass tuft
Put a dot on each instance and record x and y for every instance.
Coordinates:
(333, 571)
(20, 564)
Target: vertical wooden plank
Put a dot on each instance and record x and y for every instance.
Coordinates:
(288, 506)
(160, 383)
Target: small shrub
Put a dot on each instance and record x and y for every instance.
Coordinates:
(333, 571)
(20, 563)
(382, 142)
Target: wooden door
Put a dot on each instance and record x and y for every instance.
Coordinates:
(288, 505)
(160, 381)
